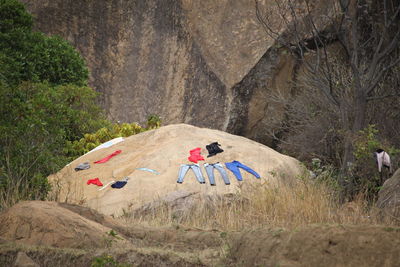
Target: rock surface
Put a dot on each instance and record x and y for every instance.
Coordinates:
(164, 150)
(389, 196)
(312, 245)
(316, 245)
(24, 261)
(49, 224)
(206, 63)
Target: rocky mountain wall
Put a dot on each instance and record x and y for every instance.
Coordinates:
(207, 63)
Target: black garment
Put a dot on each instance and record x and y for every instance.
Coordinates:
(213, 149)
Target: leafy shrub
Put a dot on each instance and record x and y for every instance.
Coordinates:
(32, 56)
(107, 261)
(89, 141)
(44, 102)
(367, 179)
(35, 123)
(45, 107)
(14, 16)
(153, 121)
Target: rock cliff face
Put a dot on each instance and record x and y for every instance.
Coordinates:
(207, 63)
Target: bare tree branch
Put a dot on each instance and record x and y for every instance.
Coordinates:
(380, 97)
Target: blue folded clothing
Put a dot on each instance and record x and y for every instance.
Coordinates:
(234, 167)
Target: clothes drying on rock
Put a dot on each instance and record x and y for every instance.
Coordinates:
(104, 187)
(196, 169)
(382, 159)
(82, 166)
(148, 170)
(109, 157)
(195, 155)
(213, 149)
(210, 172)
(120, 184)
(95, 181)
(107, 144)
(234, 167)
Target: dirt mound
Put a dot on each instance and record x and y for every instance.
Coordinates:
(317, 246)
(50, 224)
(389, 196)
(50, 235)
(164, 150)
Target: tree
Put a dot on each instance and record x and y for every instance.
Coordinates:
(368, 33)
(35, 123)
(44, 104)
(32, 56)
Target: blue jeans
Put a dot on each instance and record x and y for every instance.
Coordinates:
(196, 169)
(210, 172)
(234, 167)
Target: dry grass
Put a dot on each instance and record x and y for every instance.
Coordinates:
(290, 207)
(15, 192)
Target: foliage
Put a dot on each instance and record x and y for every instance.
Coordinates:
(107, 261)
(14, 16)
(366, 143)
(89, 141)
(344, 66)
(36, 120)
(32, 56)
(367, 179)
(326, 174)
(153, 121)
(43, 104)
(110, 238)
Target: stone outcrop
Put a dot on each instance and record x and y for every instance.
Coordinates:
(48, 244)
(317, 245)
(50, 224)
(389, 196)
(24, 261)
(206, 63)
(164, 150)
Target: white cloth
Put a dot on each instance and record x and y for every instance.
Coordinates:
(104, 145)
(107, 144)
(383, 159)
(106, 185)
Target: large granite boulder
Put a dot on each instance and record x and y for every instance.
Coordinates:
(164, 150)
(389, 196)
(206, 63)
(58, 225)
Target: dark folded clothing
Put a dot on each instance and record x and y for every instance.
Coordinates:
(213, 149)
(120, 184)
(82, 166)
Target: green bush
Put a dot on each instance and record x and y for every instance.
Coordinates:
(107, 261)
(44, 103)
(36, 122)
(365, 176)
(32, 56)
(45, 107)
(89, 141)
(14, 16)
